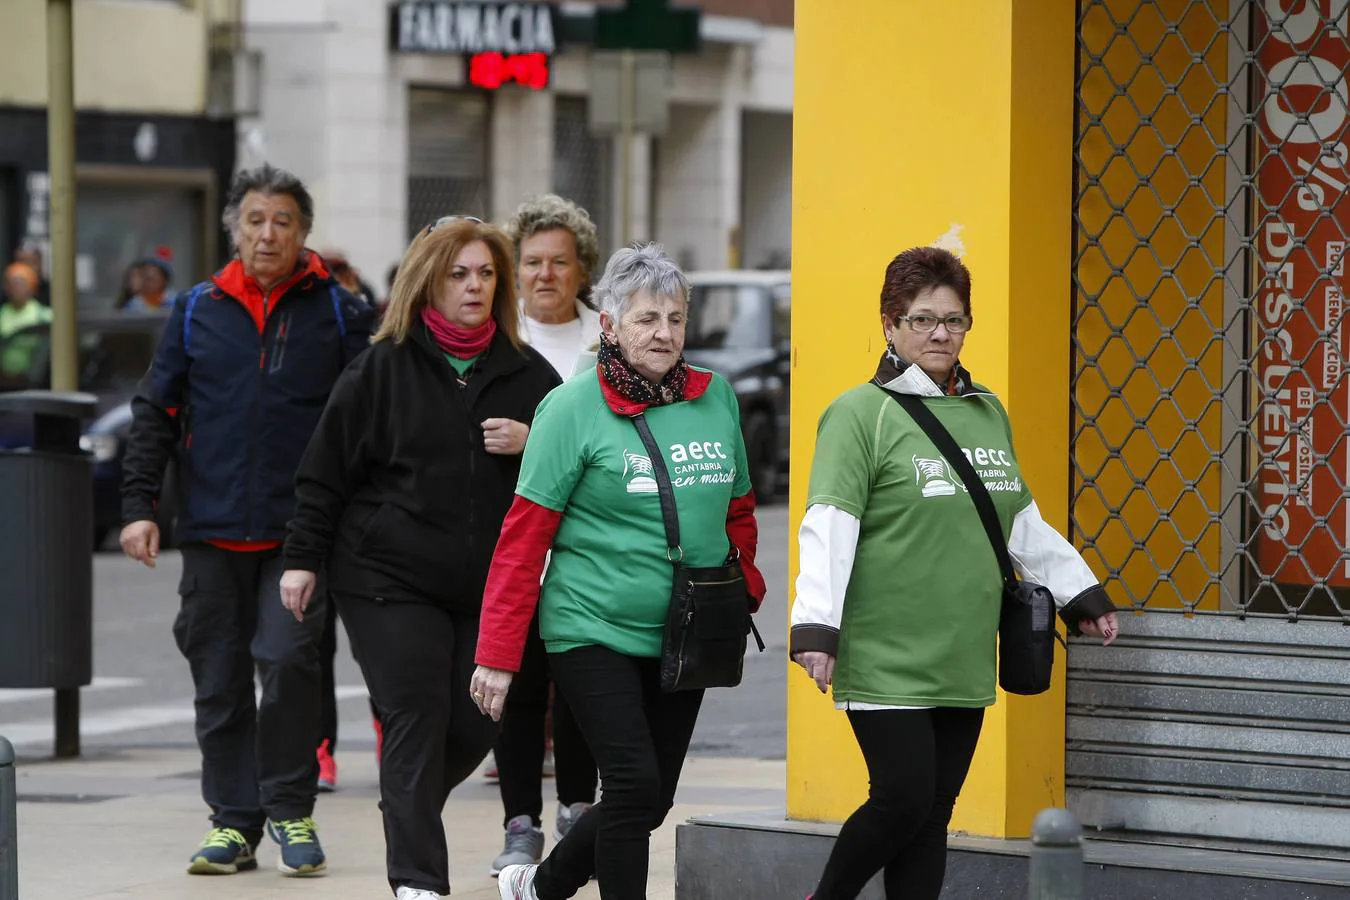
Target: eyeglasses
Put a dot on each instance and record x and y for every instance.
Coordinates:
(447, 219)
(953, 324)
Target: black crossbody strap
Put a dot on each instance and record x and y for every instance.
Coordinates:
(668, 513)
(984, 504)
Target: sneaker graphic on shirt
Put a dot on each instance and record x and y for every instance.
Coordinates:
(933, 476)
(641, 481)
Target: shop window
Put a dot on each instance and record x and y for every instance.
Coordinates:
(583, 166)
(448, 153)
(119, 224)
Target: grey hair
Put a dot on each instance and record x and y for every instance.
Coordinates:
(549, 211)
(266, 179)
(635, 269)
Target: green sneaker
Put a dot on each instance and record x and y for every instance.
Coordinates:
(300, 850)
(223, 851)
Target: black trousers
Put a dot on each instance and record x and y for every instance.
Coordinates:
(257, 756)
(520, 747)
(917, 760)
(639, 736)
(417, 659)
(328, 718)
(328, 712)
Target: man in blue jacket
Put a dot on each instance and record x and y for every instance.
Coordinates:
(242, 373)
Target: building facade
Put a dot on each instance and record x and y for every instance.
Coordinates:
(1151, 197)
(154, 134)
(392, 133)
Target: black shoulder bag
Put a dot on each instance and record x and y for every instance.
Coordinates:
(1026, 623)
(704, 642)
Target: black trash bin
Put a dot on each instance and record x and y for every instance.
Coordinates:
(46, 554)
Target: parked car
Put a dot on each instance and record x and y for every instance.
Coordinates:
(115, 351)
(740, 326)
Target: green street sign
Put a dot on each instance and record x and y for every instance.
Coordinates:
(647, 25)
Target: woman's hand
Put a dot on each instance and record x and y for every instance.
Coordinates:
(818, 664)
(505, 437)
(1104, 628)
(297, 587)
(488, 688)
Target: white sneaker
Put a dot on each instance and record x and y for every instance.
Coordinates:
(517, 883)
(410, 893)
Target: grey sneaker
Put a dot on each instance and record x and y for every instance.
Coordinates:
(524, 845)
(567, 817)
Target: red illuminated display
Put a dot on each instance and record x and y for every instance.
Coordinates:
(492, 70)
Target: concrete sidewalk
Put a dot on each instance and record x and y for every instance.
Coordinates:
(122, 822)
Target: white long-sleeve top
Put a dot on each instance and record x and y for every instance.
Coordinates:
(828, 543)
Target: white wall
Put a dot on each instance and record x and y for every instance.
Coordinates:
(522, 148)
(690, 182)
(766, 211)
(364, 181)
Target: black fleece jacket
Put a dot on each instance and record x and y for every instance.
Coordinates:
(396, 493)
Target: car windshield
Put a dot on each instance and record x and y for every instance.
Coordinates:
(727, 315)
(113, 355)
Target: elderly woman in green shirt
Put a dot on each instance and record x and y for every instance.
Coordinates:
(898, 597)
(587, 491)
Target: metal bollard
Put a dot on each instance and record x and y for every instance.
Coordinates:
(1056, 856)
(9, 825)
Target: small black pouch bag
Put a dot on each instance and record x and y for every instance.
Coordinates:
(1026, 624)
(709, 615)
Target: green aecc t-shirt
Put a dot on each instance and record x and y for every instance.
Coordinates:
(608, 581)
(921, 610)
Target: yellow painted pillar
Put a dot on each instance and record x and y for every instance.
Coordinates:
(917, 123)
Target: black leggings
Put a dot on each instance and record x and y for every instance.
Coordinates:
(639, 735)
(917, 760)
(520, 746)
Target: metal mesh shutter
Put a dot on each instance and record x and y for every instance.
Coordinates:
(582, 169)
(1210, 408)
(448, 153)
(1211, 459)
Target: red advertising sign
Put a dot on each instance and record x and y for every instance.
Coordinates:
(1303, 217)
(492, 70)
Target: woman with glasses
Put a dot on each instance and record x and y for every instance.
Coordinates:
(899, 591)
(400, 495)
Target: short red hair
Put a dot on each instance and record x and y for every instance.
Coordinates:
(921, 269)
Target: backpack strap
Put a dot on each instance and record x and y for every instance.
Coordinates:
(187, 314)
(337, 310)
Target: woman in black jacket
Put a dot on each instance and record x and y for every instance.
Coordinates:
(400, 497)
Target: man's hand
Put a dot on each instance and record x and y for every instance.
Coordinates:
(488, 688)
(1104, 628)
(297, 587)
(818, 664)
(505, 437)
(140, 541)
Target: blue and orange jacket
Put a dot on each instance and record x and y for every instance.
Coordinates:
(236, 388)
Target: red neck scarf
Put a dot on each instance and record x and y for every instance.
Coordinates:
(462, 343)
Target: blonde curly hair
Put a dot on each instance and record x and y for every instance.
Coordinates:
(546, 212)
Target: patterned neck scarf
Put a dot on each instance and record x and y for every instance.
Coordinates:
(635, 387)
(893, 365)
